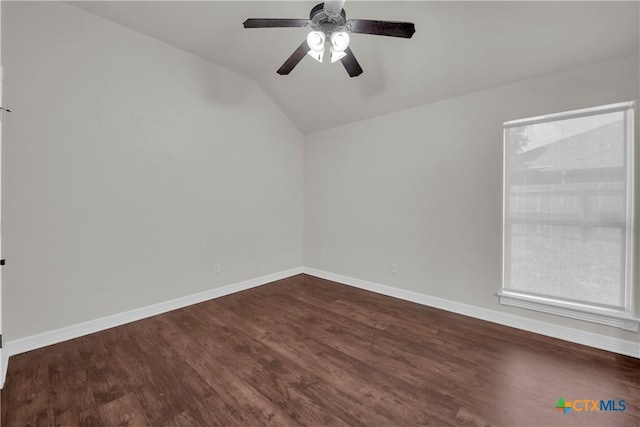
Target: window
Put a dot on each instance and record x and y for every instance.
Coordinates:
(568, 211)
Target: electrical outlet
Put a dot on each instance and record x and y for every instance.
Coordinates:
(216, 268)
(323, 254)
(394, 268)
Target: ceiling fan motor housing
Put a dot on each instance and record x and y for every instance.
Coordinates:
(326, 21)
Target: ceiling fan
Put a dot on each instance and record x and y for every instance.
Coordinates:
(328, 22)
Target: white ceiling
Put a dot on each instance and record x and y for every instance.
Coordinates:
(458, 47)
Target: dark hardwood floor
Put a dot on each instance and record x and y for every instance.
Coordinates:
(306, 351)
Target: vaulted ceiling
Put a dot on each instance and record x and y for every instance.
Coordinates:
(458, 48)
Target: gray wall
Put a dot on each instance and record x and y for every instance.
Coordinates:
(130, 168)
(423, 188)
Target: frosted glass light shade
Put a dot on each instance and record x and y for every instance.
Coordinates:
(336, 55)
(315, 41)
(316, 54)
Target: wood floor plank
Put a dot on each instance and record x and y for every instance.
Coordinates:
(331, 393)
(310, 355)
(372, 392)
(260, 369)
(307, 351)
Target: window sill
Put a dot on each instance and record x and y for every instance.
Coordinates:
(606, 317)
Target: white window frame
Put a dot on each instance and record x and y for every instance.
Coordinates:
(624, 317)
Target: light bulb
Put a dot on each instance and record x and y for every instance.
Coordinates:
(315, 40)
(339, 41)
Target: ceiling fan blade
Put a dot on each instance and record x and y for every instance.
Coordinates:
(382, 28)
(334, 6)
(351, 63)
(274, 22)
(293, 60)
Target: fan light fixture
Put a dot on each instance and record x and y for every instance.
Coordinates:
(328, 20)
(315, 41)
(339, 42)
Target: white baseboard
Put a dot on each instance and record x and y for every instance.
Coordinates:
(3, 366)
(56, 336)
(602, 342)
